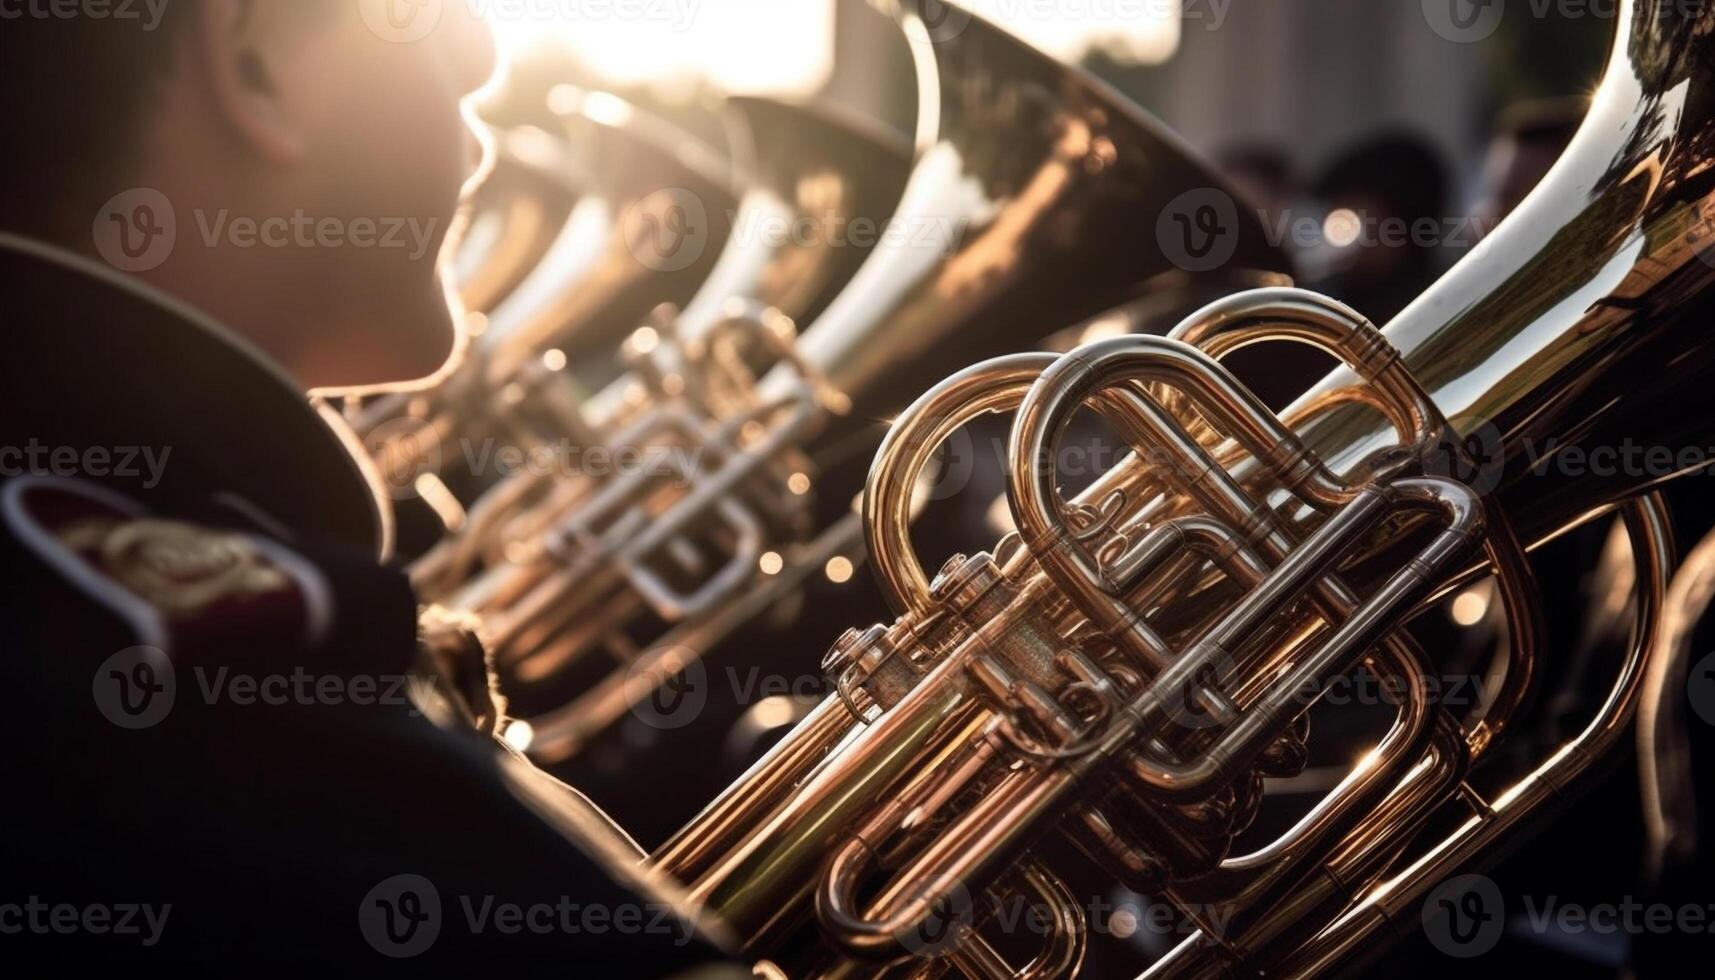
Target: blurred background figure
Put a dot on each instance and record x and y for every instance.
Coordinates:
(1529, 137)
(1264, 173)
(1385, 224)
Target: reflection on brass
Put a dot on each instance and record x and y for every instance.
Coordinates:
(859, 268)
(1127, 668)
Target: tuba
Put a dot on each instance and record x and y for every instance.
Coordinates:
(1122, 673)
(522, 203)
(1031, 205)
(545, 263)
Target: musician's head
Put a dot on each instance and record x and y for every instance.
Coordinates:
(307, 156)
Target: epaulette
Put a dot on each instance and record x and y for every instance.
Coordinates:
(176, 584)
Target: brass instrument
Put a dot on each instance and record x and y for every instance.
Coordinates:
(546, 263)
(1126, 669)
(811, 171)
(1031, 206)
(523, 202)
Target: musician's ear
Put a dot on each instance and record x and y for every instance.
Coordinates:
(238, 48)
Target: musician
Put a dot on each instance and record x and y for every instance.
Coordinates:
(229, 734)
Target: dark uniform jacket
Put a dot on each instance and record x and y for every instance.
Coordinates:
(213, 715)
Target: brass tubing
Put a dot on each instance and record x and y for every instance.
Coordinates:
(1262, 915)
(1265, 315)
(1242, 319)
(1063, 952)
(1065, 385)
(1365, 626)
(994, 385)
(1670, 805)
(1389, 904)
(1355, 798)
(690, 851)
(759, 880)
(1522, 601)
(1094, 833)
(979, 842)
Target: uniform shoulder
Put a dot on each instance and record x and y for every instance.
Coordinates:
(173, 582)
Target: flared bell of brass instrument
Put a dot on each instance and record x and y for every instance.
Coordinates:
(662, 207)
(517, 213)
(818, 184)
(818, 177)
(1041, 198)
(1128, 669)
(1581, 322)
(555, 250)
(1037, 199)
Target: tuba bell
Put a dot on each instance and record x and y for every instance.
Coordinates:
(1123, 672)
(532, 188)
(546, 263)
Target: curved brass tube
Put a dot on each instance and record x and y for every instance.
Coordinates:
(1664, 755)
(995, 385)
(1395, 900)
(1235, 556)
